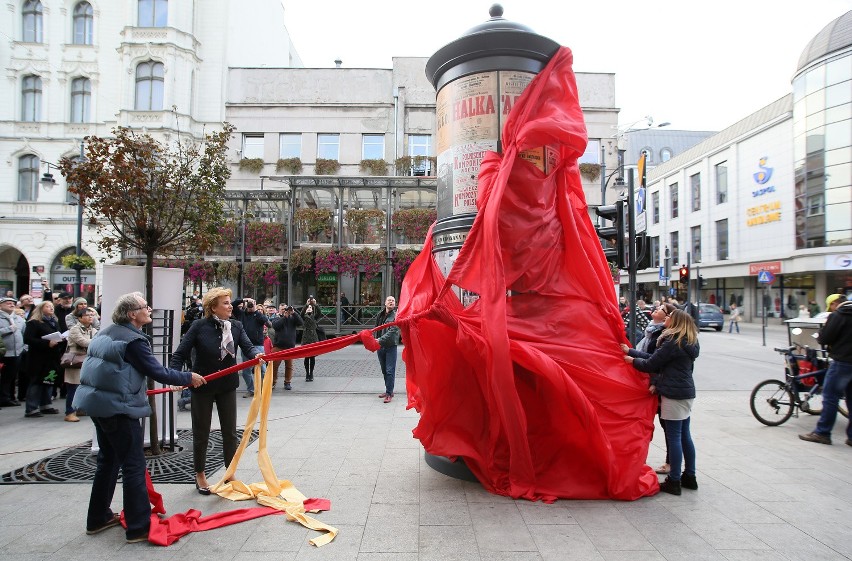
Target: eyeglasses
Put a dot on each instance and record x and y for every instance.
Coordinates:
(141, 308)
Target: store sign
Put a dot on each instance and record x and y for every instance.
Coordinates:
(71, 278)
(773, 267)
(840, 262)
(763, 214)
(327, 277)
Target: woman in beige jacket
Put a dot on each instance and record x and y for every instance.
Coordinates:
(79, 336)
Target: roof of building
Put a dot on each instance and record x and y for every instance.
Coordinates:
(677, 141)
(833, 37)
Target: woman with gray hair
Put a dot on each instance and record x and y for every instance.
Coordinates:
(112, 391)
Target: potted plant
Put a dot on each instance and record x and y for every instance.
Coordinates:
(403, 165)
(290, 165)
(301, 260)
(265, 238)
(272, 274)
(226, 271)
(313, 221)
(374, 166)
(326, 261)
(402, 260)
(590, 171)
(326, 167)
(253, 165)
(253, 273)
(413, 223)
(372, 260)
(362, 222)
(202, 271)
(78, 262)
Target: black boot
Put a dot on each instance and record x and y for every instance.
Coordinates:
(670, 486)
(688, 482)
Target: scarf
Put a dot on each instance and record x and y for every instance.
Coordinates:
(227, 346)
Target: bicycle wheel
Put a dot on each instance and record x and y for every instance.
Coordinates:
(813, 406)
(771, 403)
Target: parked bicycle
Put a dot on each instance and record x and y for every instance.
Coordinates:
(773, 402)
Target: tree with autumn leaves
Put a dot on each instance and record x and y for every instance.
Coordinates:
(161, 199)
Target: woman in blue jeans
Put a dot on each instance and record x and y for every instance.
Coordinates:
(671, 368)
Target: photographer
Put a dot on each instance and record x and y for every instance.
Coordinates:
(285, 338)
(247, 312)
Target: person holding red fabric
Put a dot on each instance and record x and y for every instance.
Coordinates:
(388, 340)
(671, 366)
(112, 391)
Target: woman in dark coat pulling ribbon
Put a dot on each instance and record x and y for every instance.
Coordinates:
(671, 368)
(215, 340)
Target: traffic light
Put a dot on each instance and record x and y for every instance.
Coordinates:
(684, 274)
(613, 237)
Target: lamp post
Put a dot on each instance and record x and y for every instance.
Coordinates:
(77, 268)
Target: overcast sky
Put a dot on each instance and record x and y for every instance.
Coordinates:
(697, 65)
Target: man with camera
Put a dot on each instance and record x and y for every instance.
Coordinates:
(285, 338)
(247, 312)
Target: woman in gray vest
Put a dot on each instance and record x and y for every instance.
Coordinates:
(112, 391)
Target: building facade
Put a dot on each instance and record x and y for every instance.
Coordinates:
(79, 68)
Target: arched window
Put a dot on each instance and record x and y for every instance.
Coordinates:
(149, 86)
(84, 21)
(649, 154)
(31, 98)
(28, 178)
(665, 154)
(153, 13)
(32, 21)
(81, 96)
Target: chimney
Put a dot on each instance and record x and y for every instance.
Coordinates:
(337, 63)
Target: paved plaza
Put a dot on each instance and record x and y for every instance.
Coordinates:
(764, 494)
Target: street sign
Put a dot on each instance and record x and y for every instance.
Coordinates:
(765, 277)
(664, 281)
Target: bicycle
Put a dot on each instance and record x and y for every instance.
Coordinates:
(773, 402)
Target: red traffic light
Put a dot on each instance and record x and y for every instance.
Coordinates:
(684, 273)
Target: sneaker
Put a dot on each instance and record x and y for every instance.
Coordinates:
(114, 521)
(688, 482)
(670, 486)
(139, 538)
(71, 418)
(287, 386)
(815, 437)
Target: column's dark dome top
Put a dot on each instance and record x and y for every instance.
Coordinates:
(834, 36)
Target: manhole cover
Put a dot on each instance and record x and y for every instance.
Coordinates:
(77, 464)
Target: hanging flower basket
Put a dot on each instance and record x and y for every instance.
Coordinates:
(78, 262)
(366, 225)
(272, 275)
(301, 260)
(402, 260)
(413, 223)
(372, 261)
(313, 221)
(253, 165)
(226, 271)
(290, 165)
(326, 167)
(590, 171)
(253, 273)
(374, 166)
(202, 271)
(265, 238)
(326, 261)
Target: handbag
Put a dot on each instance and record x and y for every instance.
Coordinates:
(71, 359)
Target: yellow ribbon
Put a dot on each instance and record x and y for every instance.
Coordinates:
(272, 492)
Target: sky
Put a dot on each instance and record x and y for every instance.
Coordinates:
(696, 65)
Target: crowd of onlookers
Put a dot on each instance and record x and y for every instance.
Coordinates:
(34, 342)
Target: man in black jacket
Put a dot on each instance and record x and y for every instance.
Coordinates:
(836, 334)
(247, 312)
(285, 338)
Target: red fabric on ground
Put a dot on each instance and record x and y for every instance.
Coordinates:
(530, 389)
(166, 531)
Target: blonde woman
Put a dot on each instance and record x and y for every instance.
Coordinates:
(671, 368)
(215, 340)
(42, 359)
(79, 336)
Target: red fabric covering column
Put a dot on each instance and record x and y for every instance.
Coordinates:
(531, 389)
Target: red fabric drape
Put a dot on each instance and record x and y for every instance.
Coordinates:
(531, 389)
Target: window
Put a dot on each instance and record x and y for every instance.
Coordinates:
(31, 99)
(252, 146)
(655, 251)
(28, 178)
(81, 96)
(722, 239)
(83, 23)
(149, 86)
(655, 207)
(328, 146)
(675, 245)
(721, 183)
(592, 155)
(673, 196)
(420, 145)
(290, 145)
(695, 233)
(373, 147)
(153, 13)
(816, 205)
(32, 21)
(649, 155)
(695, 191)
(665, 154)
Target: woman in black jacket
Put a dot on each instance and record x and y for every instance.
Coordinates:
(215, 340)
(671, 368)
(42, 359)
